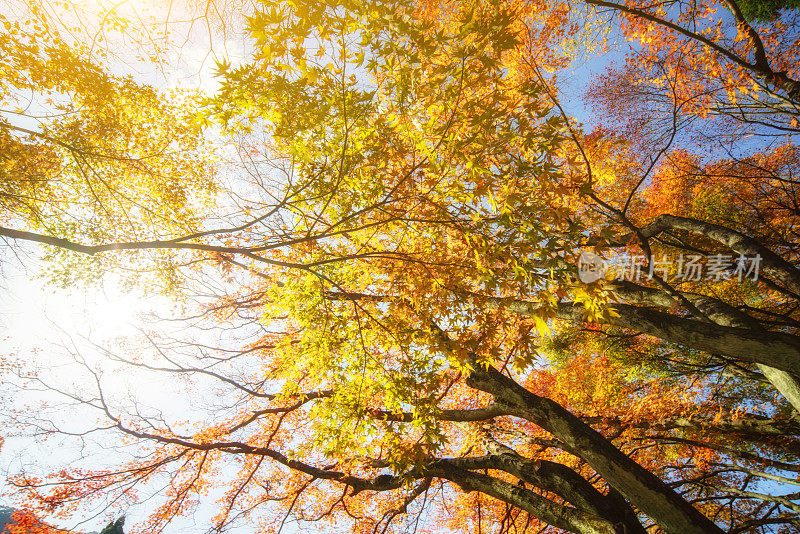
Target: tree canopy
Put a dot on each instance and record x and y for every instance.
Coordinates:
(418, 291)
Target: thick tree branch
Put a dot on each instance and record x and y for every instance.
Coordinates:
(564, 482)
(772, 264)
(558, 515)
(478, 414)
(642, 488)
(750, 425)
(787, 383)
(775, 349)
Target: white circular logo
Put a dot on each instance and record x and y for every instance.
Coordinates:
(591, 267)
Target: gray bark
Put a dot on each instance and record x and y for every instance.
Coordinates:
(639, 486)
(787, 383)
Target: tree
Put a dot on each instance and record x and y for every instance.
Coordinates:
(722, 80)
(115, 527)
(403, 246)
(765, 10)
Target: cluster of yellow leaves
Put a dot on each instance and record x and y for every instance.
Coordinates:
(89, 155)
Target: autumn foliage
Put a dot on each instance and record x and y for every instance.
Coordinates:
(373, 222)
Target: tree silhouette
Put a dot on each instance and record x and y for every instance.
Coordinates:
(115, 527)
